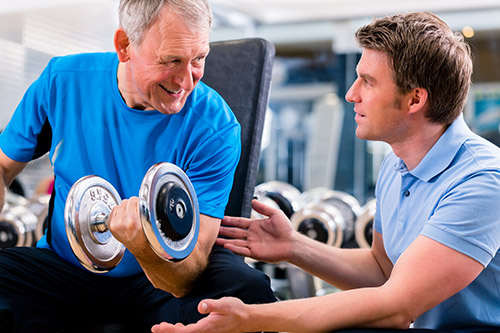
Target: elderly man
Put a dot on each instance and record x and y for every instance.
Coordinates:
(115, 115)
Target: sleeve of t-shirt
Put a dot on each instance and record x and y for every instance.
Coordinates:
(212, 172)
(467, 218)
(27, 135)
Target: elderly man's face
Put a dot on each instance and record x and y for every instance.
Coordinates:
(168, 64)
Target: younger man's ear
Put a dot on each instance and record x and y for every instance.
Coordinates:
(418, 99)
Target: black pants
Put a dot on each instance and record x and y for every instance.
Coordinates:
(40, 292)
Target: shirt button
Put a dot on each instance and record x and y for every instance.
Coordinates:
(407, 193)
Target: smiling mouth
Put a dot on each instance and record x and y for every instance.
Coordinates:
(170, 91)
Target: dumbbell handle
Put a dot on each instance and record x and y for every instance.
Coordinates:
(100, 223)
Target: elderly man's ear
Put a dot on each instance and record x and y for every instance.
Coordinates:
(122, 44)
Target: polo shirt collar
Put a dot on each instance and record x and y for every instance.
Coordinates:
(443, 152)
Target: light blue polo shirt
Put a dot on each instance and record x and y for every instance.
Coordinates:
(453, 197)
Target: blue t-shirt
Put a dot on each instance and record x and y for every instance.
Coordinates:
(95, 133)
(453, 197)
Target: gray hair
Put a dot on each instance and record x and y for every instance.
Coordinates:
(136, 16)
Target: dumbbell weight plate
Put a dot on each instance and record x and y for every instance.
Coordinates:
(89, 198)
(10, 233)
(321, 222)
(268, 202)
(28, 219)
(350, 209)
(17, 226)
(40, 207)
(285, 195)
(363, 230)
(312, 196)
(10, 230)
(316, 229)
(169, 211)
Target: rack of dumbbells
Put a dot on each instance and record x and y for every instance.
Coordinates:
(332, 217)
(22, 219)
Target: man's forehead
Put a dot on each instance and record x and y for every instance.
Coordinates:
(372, 60)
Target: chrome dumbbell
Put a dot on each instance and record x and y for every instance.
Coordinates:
(283, 195)
(17, 226)
(327, 216)
(168, 208)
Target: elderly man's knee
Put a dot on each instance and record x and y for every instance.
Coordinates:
(254, 286)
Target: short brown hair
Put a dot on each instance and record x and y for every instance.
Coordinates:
(424, 53)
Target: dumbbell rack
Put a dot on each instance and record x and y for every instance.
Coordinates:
(22, 220)
(332, 217)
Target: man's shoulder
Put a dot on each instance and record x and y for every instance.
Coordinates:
(83, 62)
(205, 94)
(481, 153)
(208, 104)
